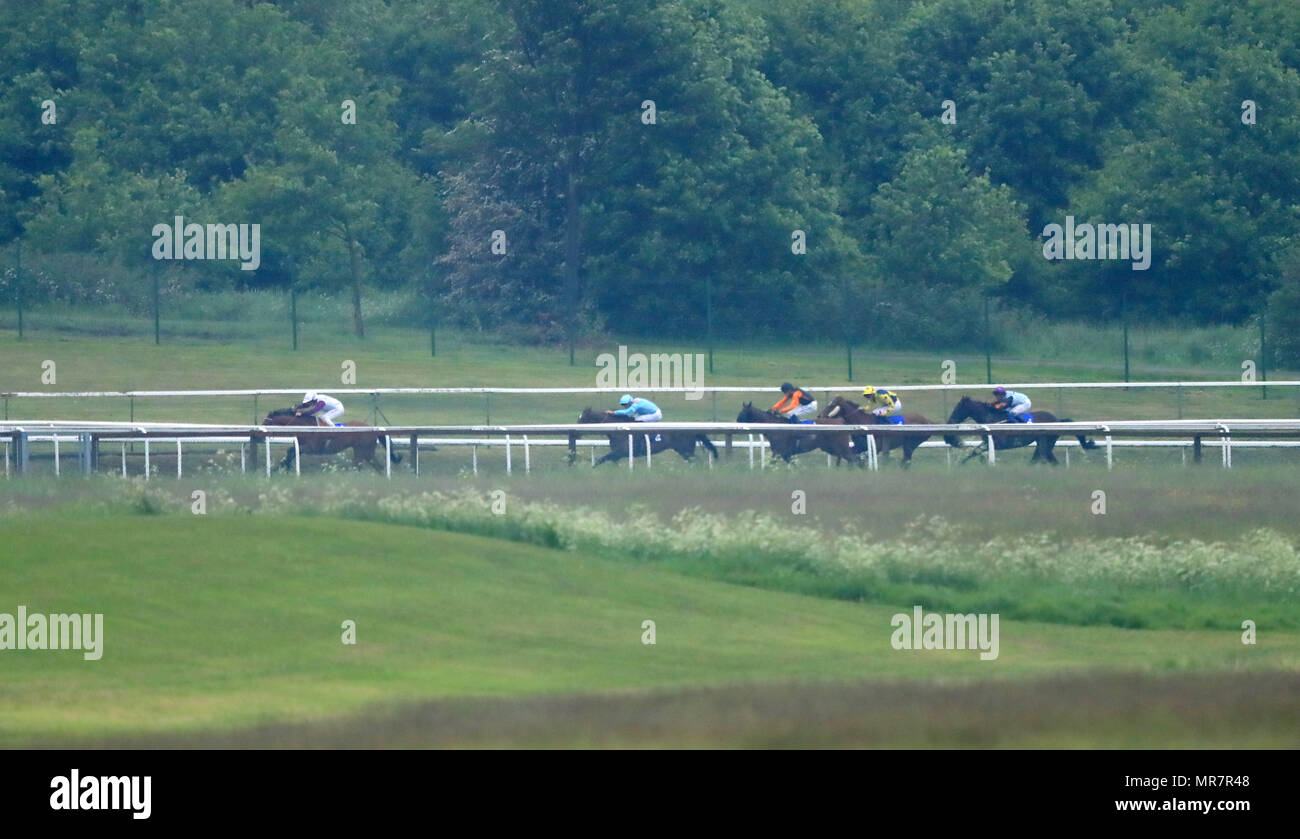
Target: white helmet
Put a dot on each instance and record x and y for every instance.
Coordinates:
(310, 396)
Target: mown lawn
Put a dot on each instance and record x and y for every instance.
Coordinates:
(223, 622)
(396, 357)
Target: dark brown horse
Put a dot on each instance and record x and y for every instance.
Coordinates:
(985, 414)
(362, 443)
(787, 444)
(854, 414)
(682, 442)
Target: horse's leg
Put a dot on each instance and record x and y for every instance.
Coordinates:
(1051, 453)
(288, 460)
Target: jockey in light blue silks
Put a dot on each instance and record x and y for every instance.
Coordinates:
(639, 409)
(1011, 401)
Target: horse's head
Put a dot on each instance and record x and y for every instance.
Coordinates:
(747, 413)
(966, 408)
(283, 416)
(590, 415)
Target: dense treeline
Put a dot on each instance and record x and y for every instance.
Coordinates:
(650, 161)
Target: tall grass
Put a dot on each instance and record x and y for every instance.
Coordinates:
(1133, 581)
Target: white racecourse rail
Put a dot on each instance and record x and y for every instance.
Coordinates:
(379, 391)
(89, 435)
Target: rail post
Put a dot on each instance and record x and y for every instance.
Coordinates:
(1110, 449)
(415, 453)
(647, 451)
(1196, 449)
(631, 453)
(21, 450)
(87, 453)
(528, 460)
(178, 458)
(388, 456)
(507, 454)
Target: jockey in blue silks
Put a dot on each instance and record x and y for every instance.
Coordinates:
(638, 408)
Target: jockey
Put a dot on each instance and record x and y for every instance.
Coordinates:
(325, 408)
(640, 409)
(796, 403)
(1013, 402)
(881, 402)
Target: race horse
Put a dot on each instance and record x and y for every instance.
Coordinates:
(854, 414)
(787, 444)
(985, 414)
(682, 442)
(362, 443)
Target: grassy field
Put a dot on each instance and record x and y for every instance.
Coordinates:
(90, 356)
(524, 628)
(217, 625)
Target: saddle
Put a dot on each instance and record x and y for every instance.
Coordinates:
(896, 419)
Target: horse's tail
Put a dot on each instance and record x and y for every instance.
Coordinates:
(1084, 442)
(708, 444)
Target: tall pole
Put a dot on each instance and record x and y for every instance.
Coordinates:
(157, 331)
(20, 289)
(988, 337)
(1263, 353)
(1124, 317)
(708, 315)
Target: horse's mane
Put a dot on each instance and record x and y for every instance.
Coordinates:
(280, 412)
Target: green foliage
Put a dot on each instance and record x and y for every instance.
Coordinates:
(816, 116)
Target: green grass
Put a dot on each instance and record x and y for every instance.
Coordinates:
(220, 623)
(233, 345)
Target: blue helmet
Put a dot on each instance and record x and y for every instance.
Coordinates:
(625, 400)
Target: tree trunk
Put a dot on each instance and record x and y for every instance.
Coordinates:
(353, 263)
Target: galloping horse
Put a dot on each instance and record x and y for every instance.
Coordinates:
(786, 445)
(855, 414)
(682, 442)
(362, 443)
(985, 414)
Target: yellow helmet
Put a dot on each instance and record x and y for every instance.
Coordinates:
(868, 391)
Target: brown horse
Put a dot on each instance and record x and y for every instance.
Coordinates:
(362, 443)
(854, 414)
(787, 444)
(682, 442)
